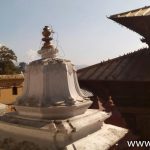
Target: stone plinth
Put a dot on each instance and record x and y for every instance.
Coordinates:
(103, 139)
(57, 112)
(51, 91)
(51, 134)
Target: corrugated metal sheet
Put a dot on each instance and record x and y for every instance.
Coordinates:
(131, 67)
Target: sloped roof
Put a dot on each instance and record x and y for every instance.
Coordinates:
(131, 67)
(87, 92)
(11, 80)
(11, 77)
(137, 20)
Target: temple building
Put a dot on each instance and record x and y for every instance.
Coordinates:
(11, 86)
(125, 81)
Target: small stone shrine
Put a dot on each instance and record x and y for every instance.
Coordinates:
(53, 112)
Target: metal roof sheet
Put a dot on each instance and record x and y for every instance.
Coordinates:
(131, 67)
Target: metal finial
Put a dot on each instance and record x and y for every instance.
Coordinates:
(47, 50)
(47, 33)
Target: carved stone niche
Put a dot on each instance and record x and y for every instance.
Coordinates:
(51, 91)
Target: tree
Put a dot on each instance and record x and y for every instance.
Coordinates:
(7, 59)
(22, 66)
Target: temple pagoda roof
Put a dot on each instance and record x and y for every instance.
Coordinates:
(130, 67)
(137, 20)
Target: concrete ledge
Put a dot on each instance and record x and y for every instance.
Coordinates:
(51, 134)
(54, 112)
(103, 139)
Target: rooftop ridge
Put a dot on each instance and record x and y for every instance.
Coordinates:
(123, 13)
(113, 59)
(136, 20)
(15, 76)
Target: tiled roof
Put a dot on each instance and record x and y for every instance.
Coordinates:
(137, 20)
(11, 77)
(131, 67)
(11, 80)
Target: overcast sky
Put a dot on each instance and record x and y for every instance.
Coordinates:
(84, 34)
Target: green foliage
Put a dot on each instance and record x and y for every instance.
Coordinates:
(7, 59)
(22, 66)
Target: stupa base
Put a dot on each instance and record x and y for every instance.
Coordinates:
(54, 112)
(103, 139)
(50, 134)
